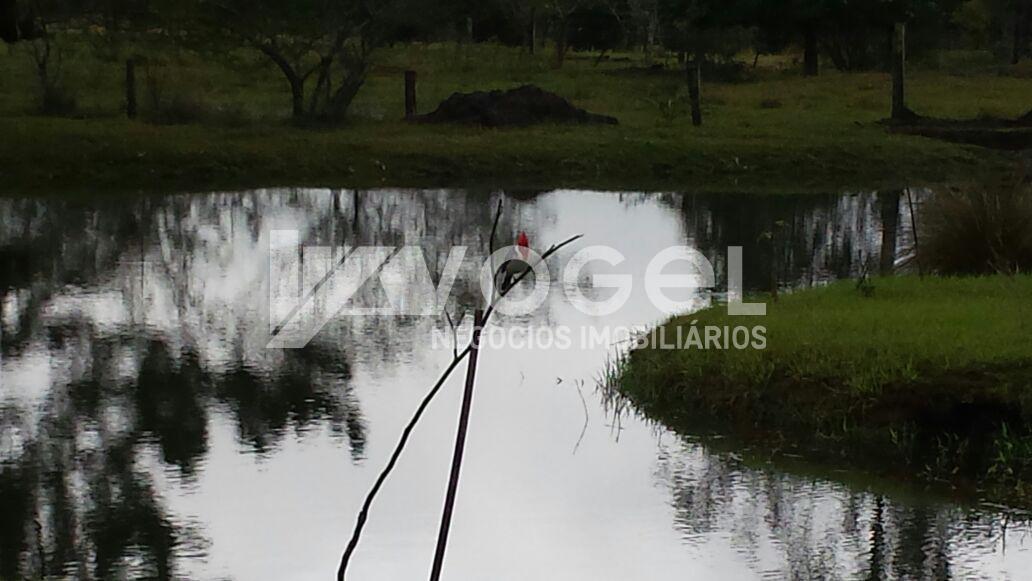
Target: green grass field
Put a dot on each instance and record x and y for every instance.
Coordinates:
(919, 377)
(773, 131)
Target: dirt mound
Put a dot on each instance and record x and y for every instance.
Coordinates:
(526, 105)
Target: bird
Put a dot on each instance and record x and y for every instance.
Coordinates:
(513, 268)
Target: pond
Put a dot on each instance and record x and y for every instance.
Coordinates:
(147, 430)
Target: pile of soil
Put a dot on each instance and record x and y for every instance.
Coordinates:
(522, 106)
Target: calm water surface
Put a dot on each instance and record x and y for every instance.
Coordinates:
(145, 430)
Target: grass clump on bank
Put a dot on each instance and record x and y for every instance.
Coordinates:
(223, 123)
(978, 231)
(929, 377)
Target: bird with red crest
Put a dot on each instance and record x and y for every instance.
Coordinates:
(514, 267)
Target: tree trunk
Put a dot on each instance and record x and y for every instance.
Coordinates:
(345, 94)
(41, 52)
(811, 64)
(297, 98)
(899, 58)
(560, 44)
(693, 68)
(297, 83)
(322, 86)
(1019, 26)
(650, 40)
(889, 209)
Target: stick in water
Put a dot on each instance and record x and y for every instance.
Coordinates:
(364, 513)
(460, 445)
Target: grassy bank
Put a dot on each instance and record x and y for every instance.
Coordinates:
(928, 378)
(769, 130)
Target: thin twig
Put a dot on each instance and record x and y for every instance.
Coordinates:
(584, 403)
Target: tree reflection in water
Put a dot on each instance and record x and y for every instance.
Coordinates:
(128, 328)
(790, 526)
(124, 329)
(794, 241)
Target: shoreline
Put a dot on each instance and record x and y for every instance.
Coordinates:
(74, 157)
(892, 400)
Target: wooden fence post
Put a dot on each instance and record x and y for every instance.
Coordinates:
(130, 88)
(693, 67)
(899, 58)
(410, 95)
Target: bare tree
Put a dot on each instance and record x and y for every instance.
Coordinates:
(39, 31)
(325, 40)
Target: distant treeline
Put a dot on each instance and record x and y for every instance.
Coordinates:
(323, 47)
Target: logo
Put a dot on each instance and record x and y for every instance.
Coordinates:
(312, 285)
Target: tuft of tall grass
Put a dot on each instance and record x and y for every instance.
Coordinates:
(977, 231)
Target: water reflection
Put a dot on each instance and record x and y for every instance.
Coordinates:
(798, 240)
(146, 431)
(788, 527)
